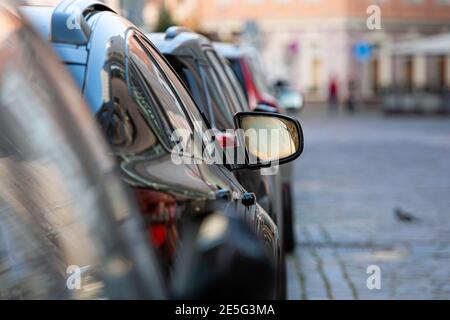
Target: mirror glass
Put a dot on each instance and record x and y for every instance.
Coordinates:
(269, 138)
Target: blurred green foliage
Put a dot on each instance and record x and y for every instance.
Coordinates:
(165, 21)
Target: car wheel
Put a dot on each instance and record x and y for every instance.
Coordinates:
(288, 221)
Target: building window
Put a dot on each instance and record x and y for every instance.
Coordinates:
(414, 2)
(443, 2)
(316, 66)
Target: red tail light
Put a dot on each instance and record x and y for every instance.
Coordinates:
(226, 140)
(158, 235)
(159, 212)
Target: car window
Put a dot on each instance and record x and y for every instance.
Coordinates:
(143, 62)
(182, 91)
(222, 116)
(233, 103)
(188, 70)
(237, 89)
(237, 69)
(213, 102)
(123, 119)
(187, 105)
(258, 76)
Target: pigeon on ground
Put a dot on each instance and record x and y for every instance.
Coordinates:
(404, 216)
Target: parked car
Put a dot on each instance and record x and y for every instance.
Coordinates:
(288, 97)
(216, 91)
(247, 67)
(405, 100)
(218, 95)
(140, 102)
(68, 228)
(249, 72)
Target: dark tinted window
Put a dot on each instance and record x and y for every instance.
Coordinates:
(162, 93)
(237, 69)
(237, 89)
(122, 118)
(211, 100)
(222, 117)
(183, 93)
(188, 71)
(233, 103)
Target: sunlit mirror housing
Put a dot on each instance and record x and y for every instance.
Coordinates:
(269, 139)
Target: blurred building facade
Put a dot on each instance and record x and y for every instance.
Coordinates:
(312, 41)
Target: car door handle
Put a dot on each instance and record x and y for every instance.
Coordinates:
(248, 199)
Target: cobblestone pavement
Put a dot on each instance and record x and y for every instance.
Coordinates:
(355, 173)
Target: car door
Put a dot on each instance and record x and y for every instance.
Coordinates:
(251, 180)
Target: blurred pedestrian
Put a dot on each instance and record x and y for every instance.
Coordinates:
(333, 95)
(351, 96)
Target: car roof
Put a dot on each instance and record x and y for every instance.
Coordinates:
(185, 42)
(228, 50)
(67, 21)
(105, 33)
(236, 51)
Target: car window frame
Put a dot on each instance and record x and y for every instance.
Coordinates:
(217, 67)
(237, 68)
(236, 87)
(151, 50)
(208, 74)
(162, 137)
(188, 62)
(139, 38)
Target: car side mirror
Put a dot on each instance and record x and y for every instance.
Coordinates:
(269, 139)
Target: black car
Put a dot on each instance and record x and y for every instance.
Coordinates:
(139, 102)
(247, 66)
(68, 227)
(217, 92)
(214, 87)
